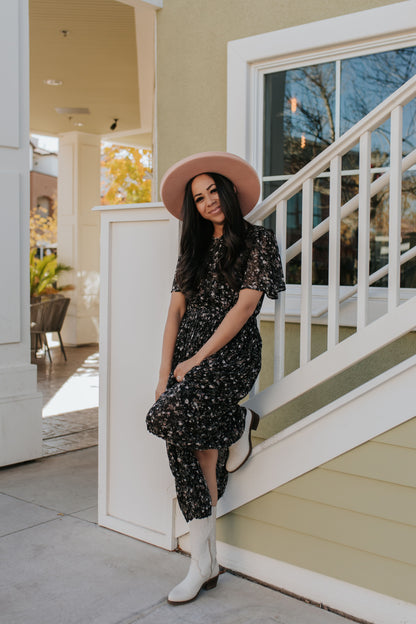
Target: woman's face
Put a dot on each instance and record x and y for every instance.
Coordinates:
(207, 201)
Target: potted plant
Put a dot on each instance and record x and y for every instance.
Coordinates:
(44, 274)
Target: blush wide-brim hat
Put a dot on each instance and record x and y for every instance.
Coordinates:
(238, 171)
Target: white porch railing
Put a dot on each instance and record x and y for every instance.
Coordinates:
(399, 319)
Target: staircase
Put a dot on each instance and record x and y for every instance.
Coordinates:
(370, 409)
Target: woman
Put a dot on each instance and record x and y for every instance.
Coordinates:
(211, 353)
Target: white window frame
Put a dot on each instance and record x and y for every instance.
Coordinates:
(367, 32)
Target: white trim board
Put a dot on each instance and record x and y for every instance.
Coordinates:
(335, 594)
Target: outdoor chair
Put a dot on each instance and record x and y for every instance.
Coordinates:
(47, 316)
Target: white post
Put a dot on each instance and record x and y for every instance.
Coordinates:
(334, 252)
(139, 246)
(20, 403)
(395, 207)
(306, 273)
(280, 304)
(363, 230)
(79, 233)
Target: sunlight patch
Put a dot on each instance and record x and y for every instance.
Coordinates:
(79, 392)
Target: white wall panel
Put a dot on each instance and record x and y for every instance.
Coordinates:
(65, 182)
(10, 315)
(9, 73)
(138, 254)
(20, 403)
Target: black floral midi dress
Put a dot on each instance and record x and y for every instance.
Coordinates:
(203, 411)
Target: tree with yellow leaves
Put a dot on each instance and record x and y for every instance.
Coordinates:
(128, 174)
(43, 228)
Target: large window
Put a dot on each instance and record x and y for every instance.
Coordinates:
(305, 110)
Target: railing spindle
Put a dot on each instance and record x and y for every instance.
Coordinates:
(334, 251)
(280, 305)
(348, 208)
(395, 212)
(306, 272)
(363, 230)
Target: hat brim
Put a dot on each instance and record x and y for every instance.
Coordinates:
(242, 175)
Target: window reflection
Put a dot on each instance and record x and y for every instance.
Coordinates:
(299, 115)
(368, 80)
(301, 119)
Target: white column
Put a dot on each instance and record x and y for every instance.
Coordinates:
(20, 403)
(139, 246)
(78, 232)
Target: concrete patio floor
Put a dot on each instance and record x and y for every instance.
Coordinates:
(57, 566)
(70, 398)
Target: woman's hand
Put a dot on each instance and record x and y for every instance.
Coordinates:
(176, 311)
(184, 367)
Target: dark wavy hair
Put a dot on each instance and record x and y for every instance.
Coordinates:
(197, 234)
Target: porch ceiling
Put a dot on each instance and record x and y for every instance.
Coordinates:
(97, 62)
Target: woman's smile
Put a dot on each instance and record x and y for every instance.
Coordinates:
(215, 210)
(207, 201)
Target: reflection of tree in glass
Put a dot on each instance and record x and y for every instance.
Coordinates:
(368, 80)
(365, 82)
(300, 114)
(309, 114)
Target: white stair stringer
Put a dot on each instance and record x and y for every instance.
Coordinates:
(350, 351)
(344, 424)
(351, 420)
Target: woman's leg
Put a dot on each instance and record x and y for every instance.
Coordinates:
(195, 498)
(208, 461)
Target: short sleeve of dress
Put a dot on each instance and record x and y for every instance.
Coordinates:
(175, 285)
(264, 267)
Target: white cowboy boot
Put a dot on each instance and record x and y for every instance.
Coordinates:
(204, 570)
(212, 540)
(240, 451)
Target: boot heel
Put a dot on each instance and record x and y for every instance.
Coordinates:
(254, 421)
(211, 583)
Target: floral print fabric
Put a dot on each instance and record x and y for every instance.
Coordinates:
(203, 411)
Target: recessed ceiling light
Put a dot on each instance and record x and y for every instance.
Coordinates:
(51, 82)
(73, 111)
(78, 123)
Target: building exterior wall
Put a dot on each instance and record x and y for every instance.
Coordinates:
(44, 163)
(352, 518)
(192, 62)
(42, 185)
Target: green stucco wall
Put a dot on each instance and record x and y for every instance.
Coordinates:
(192, 37)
